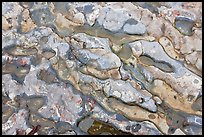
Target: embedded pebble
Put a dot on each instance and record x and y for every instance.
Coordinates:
(85, 124)
(134, 27)
(46, 124)
(61, 7)
(63, 127)
(112, 19)
(197, 105)
(136, 128)
(125, 52)
(199, 64)
(6, 113)
(35, 103)
(47, 76)
(48, 53)
(42, 16)
(16, 50)
(184, 25)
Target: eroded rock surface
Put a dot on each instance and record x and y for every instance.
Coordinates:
(101, 68)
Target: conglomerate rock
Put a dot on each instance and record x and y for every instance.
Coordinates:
(101, 68)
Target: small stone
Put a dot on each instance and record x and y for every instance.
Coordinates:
(112, 19)
(196, 81)
(45, 123)
(117, 94)
(184, 25)
(79, 18)
(127, 127)
(134, 27)
(85, 124)
(63, 127)
(151, 116)
(125, 52)
(61, 7)
(5, 24)
(197, 105)
(91, 18)
(42, 17)
(199, 64)
(136, 128)
(171, 130)
(26, 23)
(88, 9)
(157, 100)
(48, 53)
(47, 76)
(35, 103)
(19, 50)
(6, 113)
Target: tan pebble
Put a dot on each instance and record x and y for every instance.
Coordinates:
(161, 115)
(5, 25)
(27, 24)
(115, 74)
(151, 116)
(157, 100)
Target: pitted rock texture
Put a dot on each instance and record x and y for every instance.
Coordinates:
(101, 68)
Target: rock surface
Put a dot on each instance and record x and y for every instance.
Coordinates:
(101, 68)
